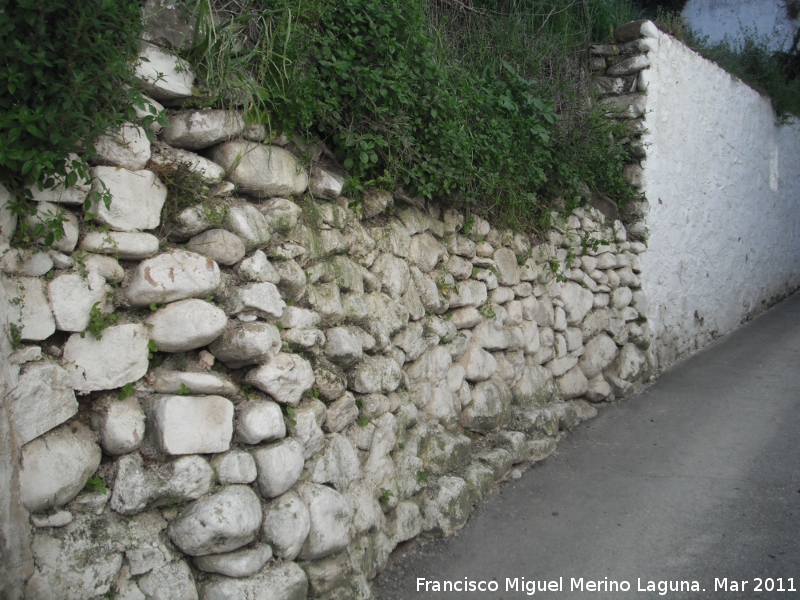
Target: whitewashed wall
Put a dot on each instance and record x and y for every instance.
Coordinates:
(720, 18)
(723, 183)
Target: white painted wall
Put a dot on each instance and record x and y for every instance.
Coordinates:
(723, 182)
(718, 18)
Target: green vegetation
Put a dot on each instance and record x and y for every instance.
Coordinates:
(95, 484)
(98, 321)
(66, 79)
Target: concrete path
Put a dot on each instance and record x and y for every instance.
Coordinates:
(695, 479)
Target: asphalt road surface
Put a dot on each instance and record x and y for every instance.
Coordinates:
(695, 480)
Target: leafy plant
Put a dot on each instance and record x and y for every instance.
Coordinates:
(98, 321)
(126, 391)
(422, 477)
(291, 416)
(15, 334)
(363, 420)
(95, 484)
(385, 496)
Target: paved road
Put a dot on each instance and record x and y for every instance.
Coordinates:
(695, 479)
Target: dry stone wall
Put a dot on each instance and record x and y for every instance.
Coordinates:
(264, 395)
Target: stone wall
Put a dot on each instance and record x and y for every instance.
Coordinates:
(264, 394)
(722, 178)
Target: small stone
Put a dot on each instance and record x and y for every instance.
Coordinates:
(286, 378)
(341, 413)
(128, 148)
(198, 129)
(218, 523)
(118, 358)
(173, 276)
(281, 214)
(259, 170)
(375, 374)
(192, 424)
(241, 563)
(186, 325)
(210, 172)
(243, 344)
(629, 66)
(286, 525)
(164, 76)
(55, 466)
(222, 246)
(123, 245)
(120, 423)
(235, 466)
(27, 263)
(59, 519)
(249, 225)
(260, 421)
(173, 382)
(573, 384)
(259, 299)
(257, 268)
(279, 466)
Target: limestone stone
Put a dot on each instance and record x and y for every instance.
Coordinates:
(327, 302)
(259, 170)
(210, 172)
(282, 582)
(249, 225)
(235, 466)
(489, 337)
(490, 406)
(118, 358)
(136, 198)
(260, 299)
(405, 522)
(393, 274)
(441, 451)
(136, 488)
(286, 525)
(173, 581)
(120, 424)
(469, 293)
(599, 389)
(281, 214)
(286, 378)
(185, 325)
(55, 466)
(164, 76)
(325, 183)
(120, 244)
(8, 219)
(192, 424)
(577, 301)
(240, 563)
(534, 388)
(478, 364)
(561, 364)
(222, 246)
(425, 251)
(46, 211)
(59, 519)
(374, 374)
(306, 428)
(329, 576)
(128, 148)
(26, 263)
(173, 382)
(629, 66)
(198, 129)
(173, 276)
(630, 363)
(446, 506)
(279, 466)
(257, 268)
(572, 384)
(330, 516)
(243, 344)
(260, 421)
(28, 307)
(107, 267)
(341, 413)
(599, 352)
(42, 400)
(343, 346)
(218, 523)
(338, 464)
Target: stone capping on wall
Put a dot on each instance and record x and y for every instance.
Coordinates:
(294, 389)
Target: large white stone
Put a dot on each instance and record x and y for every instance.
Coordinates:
(185, 325)
(283, 582)
(572, 384)
(468, 293)
(137, 488)
(55, 467)
(286, 378)
(446, 505)
(393, 273)
(218, 523)
(478, 364)
(490, 407)
(42, 400)
(245, 344)
(598, 353)
(173, 276)
(46, 212)
(198, 129)
(286, 525)
(240, 563)
(374, 374)
(258, 268)
(120, 244)
(26, 263)
(261, 171)
(331, 517)
(260, 299)
(306, 428)
(209, 171)
(128, 148)
(279, 466)
(343, 346)
(250, 225)
(73, 296)
(260, 421)
(578, 301)
(120, 424)
(118, 358)
(107, 267)
(172, 581)
(281, 214)
(338, 465)
(164, 76)
(630, 363)
(222, 246)
(192, 424)
(173, 382)
(8, 219)
(137, 198)
(425, 251)
(28, 308)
